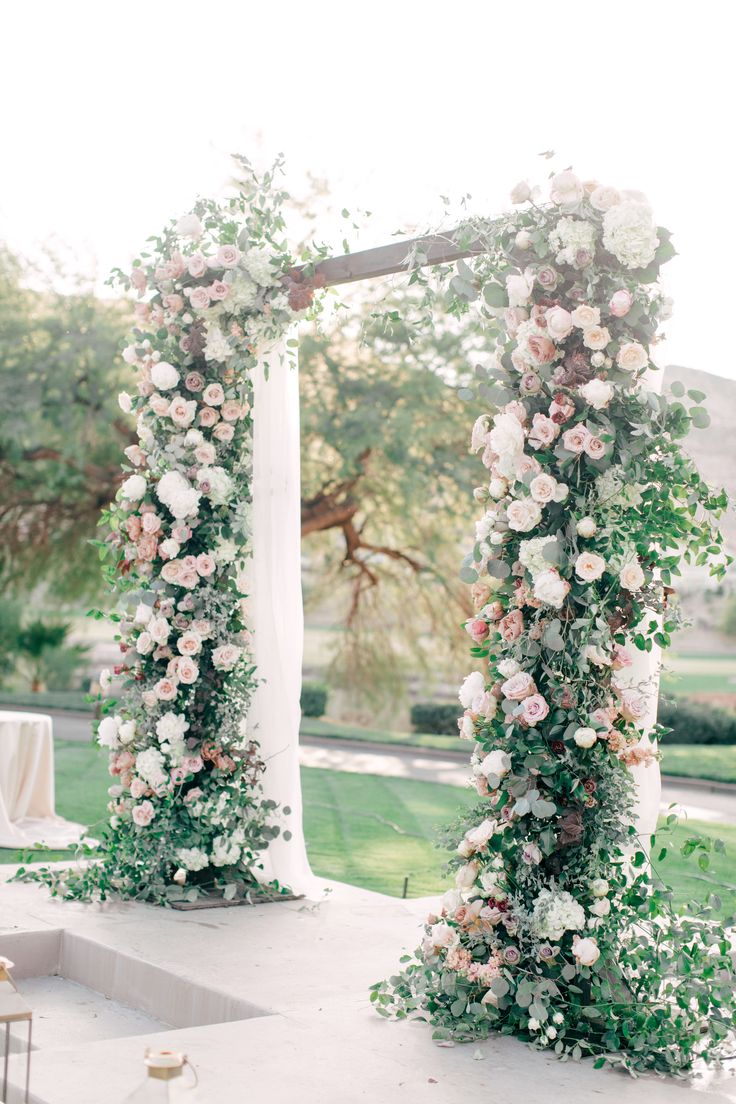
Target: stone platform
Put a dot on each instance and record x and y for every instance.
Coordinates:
(290, 981)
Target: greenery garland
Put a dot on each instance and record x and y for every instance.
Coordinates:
(555, 931)
(187, 813)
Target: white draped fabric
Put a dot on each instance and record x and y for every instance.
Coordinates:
(27, 815)
(275, 604)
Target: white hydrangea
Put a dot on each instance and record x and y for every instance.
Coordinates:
(193, 858)
(629, 233)
(226, 550)
(217, 346)
(224, 851)
(258, 263)
(178, 494)
(555, 912)
(569, 236)
(220, 484)
(149, 764)
(531, 555)
(133, 488)
(170, 730)
(243, 294)
(485, 525)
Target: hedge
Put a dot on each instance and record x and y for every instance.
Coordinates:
(691, 722)
(314, 699)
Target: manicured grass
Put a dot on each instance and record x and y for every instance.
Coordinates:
(374, 832)
(51, 699)
(311, 726)
(700, 761)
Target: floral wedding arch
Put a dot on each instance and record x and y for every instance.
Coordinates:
(554, 931)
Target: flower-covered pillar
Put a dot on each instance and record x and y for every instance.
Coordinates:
(275, 608)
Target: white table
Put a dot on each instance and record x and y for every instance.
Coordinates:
(27, 815)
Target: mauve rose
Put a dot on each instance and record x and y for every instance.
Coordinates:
(561, 409)
(583, 258)
(194, 382)
(574, 439)
(530, 384)
(535, 709)
(621, 303)
(519, 686)
(511, 626)
(547, 278)
(208, 416)
(146, 547)
(133, 526)
(541, 348)
(538, 313)
(594, 447)
(477, 629)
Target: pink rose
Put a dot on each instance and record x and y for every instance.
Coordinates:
(208, 416)
(193, 764)
(574, 439)
(133, 526)
(594, 447)
(181, 532)
(136, 455)
(527, 465)
(213, 395)
(194, 382)
(182, 411)
(199, 297)
(227, 256)
(171, 571)
(223, 432)
(477, 629)
(159, 404)
(173, 303)
(197, 265)
(138, 280)
(519, 686)
(232, 410)
(511, 626)
(138, 788)
(621, 657)
(143, 814)
(205, 453)
(633, 706)
(188, 579)
(543, 488)
(541, 348)
(535, 709)
(205, 564)
(218, 291)
(165, 689)
(187, 670)
(146, 547)
(543, 431)
(226, 656)
(621, 303)
(151, 522)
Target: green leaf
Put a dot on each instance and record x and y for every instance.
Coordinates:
(495, 295)
(700, 417)
(677, 389)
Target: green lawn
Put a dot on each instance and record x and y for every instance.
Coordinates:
(700, 761)
(375, 832)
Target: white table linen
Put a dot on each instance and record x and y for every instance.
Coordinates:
(27, 812)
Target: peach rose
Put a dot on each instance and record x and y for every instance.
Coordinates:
(165, 689)
(584, 316)
(543, 488)
(187, 670)
(182, 411)
(223, 432)
(208, 416)
(232, 410)
(511, 626)
(143, 814)
(541, 348)
(213, 395)
(596, 337)
(589, 566)
(173, 303)
(632, 357)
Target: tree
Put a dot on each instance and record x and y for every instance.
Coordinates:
(61, 431)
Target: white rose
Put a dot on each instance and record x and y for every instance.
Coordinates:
(144, 643)
(519, 289)
(169, 548)
(508, 668)
(597, 393)
(631, 576)
(586, 527)
(566, 189)
(543, 488)
(466, 875)
(585, 316)
(596, 337)
(585, 737)
(506, 438)
(632, 357)
(126, 732)
(586, 951)
(589, 566)
(497, 488)
(177, 493)
(559, 323)
(523, 240)
(472, 688)
(142, 614)
(523, 514)
(181, 876)
(534, 1025)
(107, 732)
(133, 488)
(159, 628)
(551, 588)
(599, 887)
(496, 763)
(521, 192)
(604, 198)
(189, 226)
(479, 837)
(600, 907)
(442, 936)
(164, 375)
(125, 402)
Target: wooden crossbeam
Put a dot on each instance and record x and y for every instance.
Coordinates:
(387, 259)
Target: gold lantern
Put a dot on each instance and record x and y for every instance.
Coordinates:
(13, 1009)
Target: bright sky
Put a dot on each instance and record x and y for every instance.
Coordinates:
(116, 115)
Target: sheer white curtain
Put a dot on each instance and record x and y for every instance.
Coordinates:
(275, 603)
